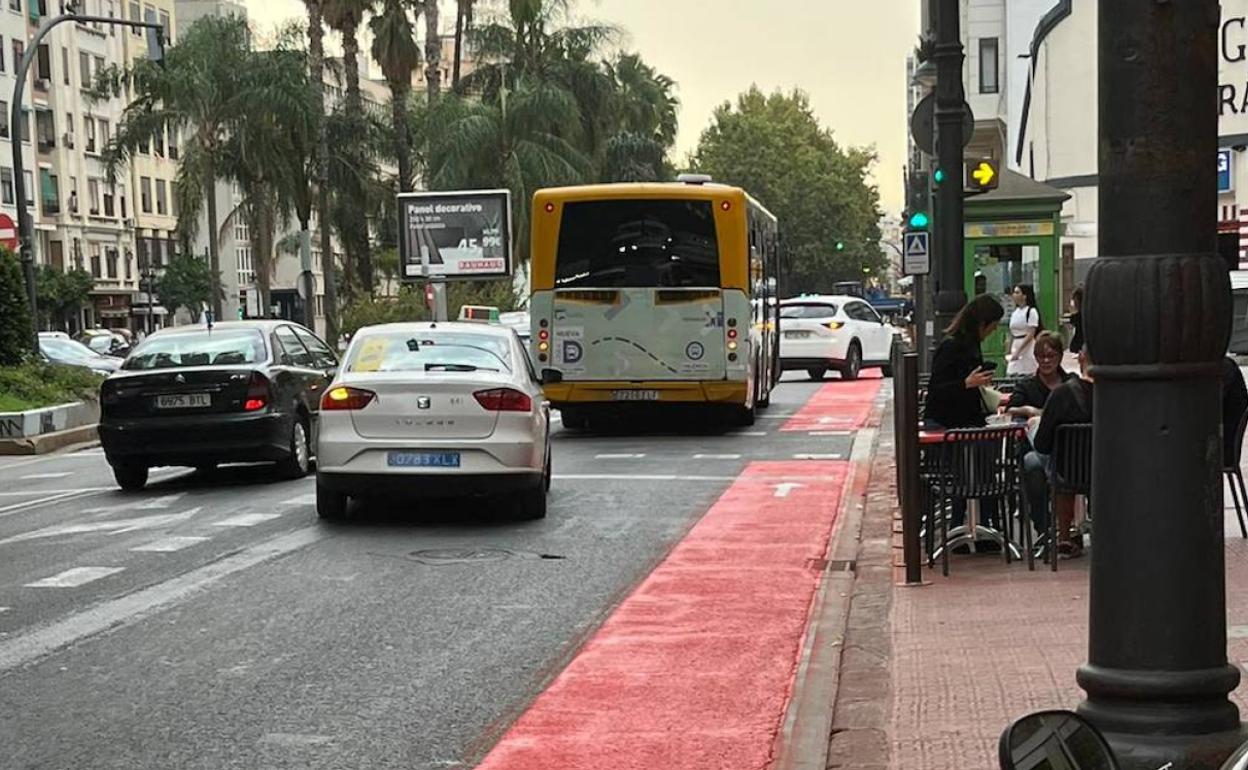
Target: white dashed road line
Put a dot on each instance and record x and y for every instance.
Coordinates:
(246, 520)
(169, 544)
(839, 433)
(72, 578)
(9, 510)
(716, 457)
(23, 648)
(33, 476)
(115, 526)
(619, 457)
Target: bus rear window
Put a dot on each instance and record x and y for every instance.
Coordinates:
(637, 243)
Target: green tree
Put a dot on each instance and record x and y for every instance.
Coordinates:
(61, 294)
(15, 332)
(395, 49)
(316, 71)
(774, 147)
(433, 50)
(186, 283)
(199, 89)
(463, 28)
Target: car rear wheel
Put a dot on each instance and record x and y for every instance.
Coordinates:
(816, 372)
(330, 504)
(853, 363)
(533, 503)
(131, 477)
(295, 465)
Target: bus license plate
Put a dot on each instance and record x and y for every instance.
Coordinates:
(184, 401)
(635, 395)
(423, 460)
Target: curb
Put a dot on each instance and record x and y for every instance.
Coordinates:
(50, 442)
(805, 735)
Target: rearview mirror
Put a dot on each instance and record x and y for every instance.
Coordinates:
(1055, 739)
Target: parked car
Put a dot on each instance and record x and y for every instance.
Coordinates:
(434, 409)
(244, 391)
(838, 332)
(106, 342)
(58, 348)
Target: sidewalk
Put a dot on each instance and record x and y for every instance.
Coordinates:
(931, 675)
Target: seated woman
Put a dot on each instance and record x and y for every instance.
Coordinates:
(1030, 395)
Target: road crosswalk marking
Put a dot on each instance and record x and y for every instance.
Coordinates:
(169, 544)
(72, 578)
(246, 520)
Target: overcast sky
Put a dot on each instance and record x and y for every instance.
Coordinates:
(848, 55)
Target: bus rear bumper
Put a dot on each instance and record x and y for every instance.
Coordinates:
(663, 392)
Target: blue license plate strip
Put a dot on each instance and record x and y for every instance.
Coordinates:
(423, 459)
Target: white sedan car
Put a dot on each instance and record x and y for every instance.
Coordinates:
(844, 333)
(434, 409)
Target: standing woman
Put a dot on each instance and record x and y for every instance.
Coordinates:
(1024, 326)
(1076, 320)
(954, 399)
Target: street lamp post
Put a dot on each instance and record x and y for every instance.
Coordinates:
(1158, 318)
(156, 47)
(950, 97)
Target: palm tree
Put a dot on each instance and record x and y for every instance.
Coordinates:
(433, 50)
(518, 142)
(463, 26)
(346, 16)
(395, 49)
(316, 76)
(646, 102)
(200, 91)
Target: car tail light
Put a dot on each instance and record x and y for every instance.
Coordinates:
(346, 398)
(834, 325)
(258, 393)
(504, 400)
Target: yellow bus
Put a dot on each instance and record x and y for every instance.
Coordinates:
(645, 293)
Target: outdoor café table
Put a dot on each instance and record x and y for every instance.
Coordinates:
(971, 531)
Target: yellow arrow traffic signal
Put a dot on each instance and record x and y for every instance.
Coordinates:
(982, 175)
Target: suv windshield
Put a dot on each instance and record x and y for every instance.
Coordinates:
(638, 243)
(200, 348)
(426, 351)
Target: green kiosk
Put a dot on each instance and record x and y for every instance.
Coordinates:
(1013, 236)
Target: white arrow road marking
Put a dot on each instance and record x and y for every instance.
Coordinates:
(246, 520)
(783, 490)
(169, 544)
(72, 578)
(116, 527)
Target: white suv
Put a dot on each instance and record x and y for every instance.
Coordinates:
(833, 332)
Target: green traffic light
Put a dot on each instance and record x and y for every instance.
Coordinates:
(840, 245)
(919, 220)
(939, 176)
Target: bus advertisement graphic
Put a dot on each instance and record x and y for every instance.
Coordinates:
(455, 235)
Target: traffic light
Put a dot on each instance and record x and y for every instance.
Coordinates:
(840, 245)
(938, 176)
(919, 220)
(982, 176)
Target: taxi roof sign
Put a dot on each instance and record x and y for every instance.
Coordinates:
(479, 314)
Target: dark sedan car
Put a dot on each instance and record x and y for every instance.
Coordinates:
(246, 391)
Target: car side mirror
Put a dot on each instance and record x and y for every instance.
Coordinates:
(1055, 739)
(551, 376)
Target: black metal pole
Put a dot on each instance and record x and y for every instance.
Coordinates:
(1158, 313)
(24, 226)
(949, 277)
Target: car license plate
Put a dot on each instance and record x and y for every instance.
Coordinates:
(635, 395)
(184, 401)
(423, 460)
(796, 335)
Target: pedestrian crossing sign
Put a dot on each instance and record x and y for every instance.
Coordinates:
(918, 255)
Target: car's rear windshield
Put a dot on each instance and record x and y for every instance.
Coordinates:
(637, 243)
(429, 351)
(807, 310)
(201, 348)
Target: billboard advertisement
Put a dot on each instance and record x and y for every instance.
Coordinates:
(455, 235)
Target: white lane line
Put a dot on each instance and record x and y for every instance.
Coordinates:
(751, 433)
(23, 648)
(716, 457)
(72, 578)
(819, 457)
(619, 456)
(160, 502)
(116, 526)
(70, 491)
(32, 476)
(169, 544)
(308, 499)
(246, 520)
(636, 477)
(13, 508)
(841, 433)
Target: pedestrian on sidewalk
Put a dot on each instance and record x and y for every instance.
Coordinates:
(1025, 324)
(1069, 404)
(1076, 320)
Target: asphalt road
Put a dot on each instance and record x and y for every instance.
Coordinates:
(214, 622)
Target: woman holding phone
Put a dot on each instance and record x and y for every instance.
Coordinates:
(954, 395)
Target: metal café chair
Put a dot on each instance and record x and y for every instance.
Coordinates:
(1072, 475)
(974, 464)
(1235, 475)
